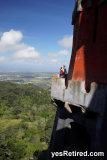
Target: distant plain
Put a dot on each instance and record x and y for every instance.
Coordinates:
(40, 79)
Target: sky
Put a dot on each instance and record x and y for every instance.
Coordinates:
(35, 35)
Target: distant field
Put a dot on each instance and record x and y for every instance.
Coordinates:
(42, 80)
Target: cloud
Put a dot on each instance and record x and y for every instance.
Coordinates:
(3, 59)
(10, 41)
(57, 62)
(66, 41)
(27, 53)
(11, 37)
(60, 53)
(54, 61)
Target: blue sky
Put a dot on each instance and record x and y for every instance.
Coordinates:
(35, 35)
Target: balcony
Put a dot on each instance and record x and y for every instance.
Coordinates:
(75, 94)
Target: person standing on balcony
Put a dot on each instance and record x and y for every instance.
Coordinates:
(62, 72)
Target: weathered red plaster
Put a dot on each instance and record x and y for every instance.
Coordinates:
(89, 59)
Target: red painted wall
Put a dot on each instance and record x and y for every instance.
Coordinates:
(89, 59)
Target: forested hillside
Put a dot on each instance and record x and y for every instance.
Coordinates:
(26, 121)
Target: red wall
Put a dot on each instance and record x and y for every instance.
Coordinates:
(89, 59)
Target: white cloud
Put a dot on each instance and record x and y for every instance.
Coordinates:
(3, 59)
(57, 62)
(10, 41)
(54, 60)
(12, 37)
(63, 52)
(60, 53)
(27, 53)
(66, 41)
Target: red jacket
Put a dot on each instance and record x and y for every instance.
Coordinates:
(61, 72)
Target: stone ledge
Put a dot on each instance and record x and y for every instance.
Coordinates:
(75, 94)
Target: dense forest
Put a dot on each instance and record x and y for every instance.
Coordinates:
(26, 121)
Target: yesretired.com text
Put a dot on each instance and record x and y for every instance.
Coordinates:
(75, 153)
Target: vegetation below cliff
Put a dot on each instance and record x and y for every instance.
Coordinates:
(26, 121)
